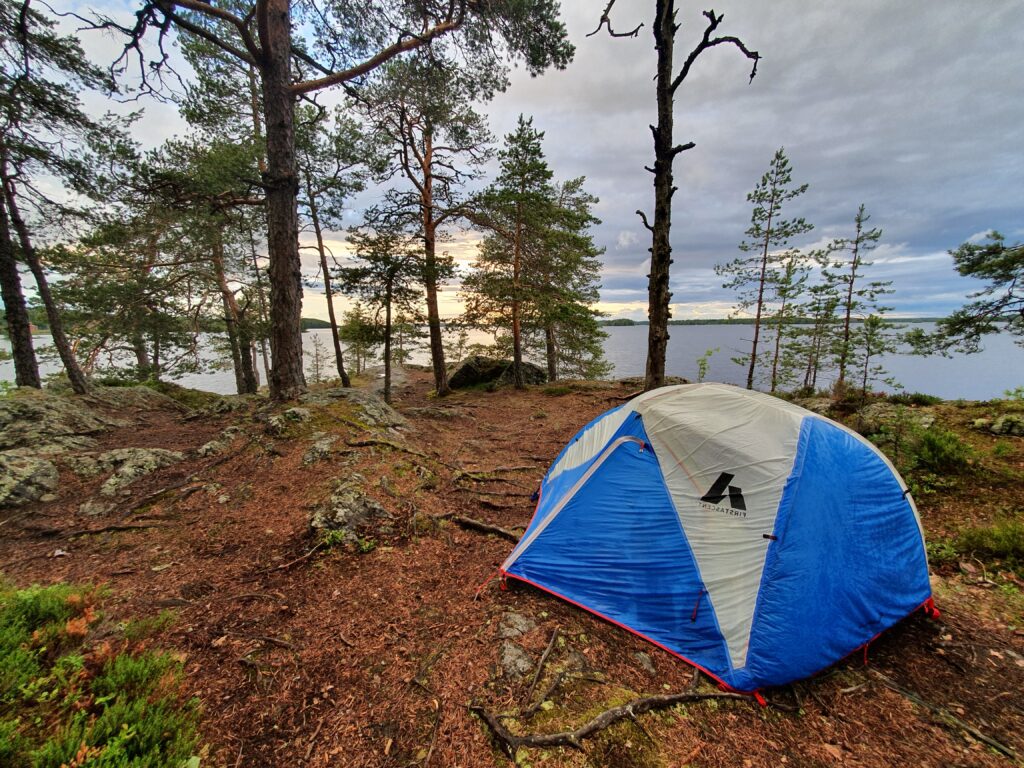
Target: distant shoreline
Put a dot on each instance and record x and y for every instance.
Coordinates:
(625, 322)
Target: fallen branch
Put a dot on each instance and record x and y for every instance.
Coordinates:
(945, 716)
(478, 525)
(298, 560)
(433, 736)
(540, 666)
(109, 529)
(623, 398)
(511, 743)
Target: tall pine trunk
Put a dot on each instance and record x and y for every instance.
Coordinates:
(239, 351)
(658, 294)
(287, 379)
(551, 350)
(517, 331)
(387, 339)
(430, 271)
(314, 215)
(19, 330)
(60, 340)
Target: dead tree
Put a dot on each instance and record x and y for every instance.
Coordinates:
(667, 82)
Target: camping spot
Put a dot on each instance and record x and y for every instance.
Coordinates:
(362, 642)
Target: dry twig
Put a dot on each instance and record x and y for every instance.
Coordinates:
(540, 666)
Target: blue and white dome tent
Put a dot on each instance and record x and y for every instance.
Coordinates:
(752, 538)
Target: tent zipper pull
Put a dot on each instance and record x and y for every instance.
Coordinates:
(696, 605)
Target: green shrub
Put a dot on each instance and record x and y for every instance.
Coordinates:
(914, 398)
(1004, 539)
(139, 629)
(127, 676)
(942, 552)
(1002, 449)
(130, 715)
(940, 450)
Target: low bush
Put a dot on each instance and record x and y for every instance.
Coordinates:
(914, 398)
(67, 702)
(1003, 540)
(941, 450)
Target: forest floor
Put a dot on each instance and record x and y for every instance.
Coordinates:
(305, 651)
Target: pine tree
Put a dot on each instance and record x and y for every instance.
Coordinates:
(433, 138)
(567, 285)
(666, 82)
(351, 40)
(857, 299)
(787, 288)
(387, 270)
(519, 210)
(753, 275)
(44, 133)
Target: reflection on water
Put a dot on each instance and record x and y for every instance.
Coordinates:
(973, 377)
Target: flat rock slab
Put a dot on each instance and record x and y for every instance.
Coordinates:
(24, 479)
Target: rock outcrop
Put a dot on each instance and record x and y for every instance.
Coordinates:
(480, 369)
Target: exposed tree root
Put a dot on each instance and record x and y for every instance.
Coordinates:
(379, 442)
(511, 743)
(945, 717)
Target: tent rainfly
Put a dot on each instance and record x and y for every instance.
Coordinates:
(750, 537)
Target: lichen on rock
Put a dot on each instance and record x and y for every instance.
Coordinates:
(25, 478)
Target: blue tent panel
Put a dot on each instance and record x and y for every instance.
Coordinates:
(617, 549)
(847, 563)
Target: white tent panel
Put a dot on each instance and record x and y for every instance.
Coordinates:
(725, 462)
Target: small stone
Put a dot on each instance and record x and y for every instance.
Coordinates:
(515, 625)
(94, 507)
(319, 450)
(645, 662)
(297, 414)
(211, 448)
(515, 661)
(133, 463)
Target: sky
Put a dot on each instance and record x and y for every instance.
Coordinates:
(912, 108)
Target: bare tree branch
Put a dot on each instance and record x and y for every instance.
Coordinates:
(643, 215)
(606, 21)
(707, 42)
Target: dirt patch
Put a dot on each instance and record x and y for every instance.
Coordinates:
(369, 652)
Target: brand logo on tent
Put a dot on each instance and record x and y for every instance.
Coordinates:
(722, 488)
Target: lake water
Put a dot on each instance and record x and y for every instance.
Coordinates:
(982, 376)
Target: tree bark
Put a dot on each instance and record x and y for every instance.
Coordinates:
(387, 340)
(314, 215)
(844, 349)
(517, 331)
(551, 348)
(19, 329)
(287, 380)
(60, 340)
(658, 294)
(437, 361)
(230, 310)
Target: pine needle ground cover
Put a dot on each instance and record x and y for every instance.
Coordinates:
(69, 698)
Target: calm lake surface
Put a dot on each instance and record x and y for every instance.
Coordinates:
(983, 376)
